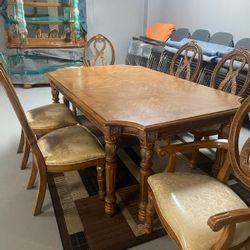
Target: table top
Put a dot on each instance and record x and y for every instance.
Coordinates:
(146, 99)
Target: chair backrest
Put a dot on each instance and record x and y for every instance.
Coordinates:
(222, 38)
(98, 50)
(187, 62)
(201, 35)
(240, 161)
(243, 43)
(179, 34)
(227, 72)
(11, 93)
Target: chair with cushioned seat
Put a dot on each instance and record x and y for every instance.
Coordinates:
(155, 57)
(65, 149)
(43, 120)
(200, 212)
(187, 62)
(225, 77)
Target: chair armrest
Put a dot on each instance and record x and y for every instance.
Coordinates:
(173, 149)
(218, 221)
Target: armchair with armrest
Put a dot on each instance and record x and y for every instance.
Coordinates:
(198, 211)
(225, 77)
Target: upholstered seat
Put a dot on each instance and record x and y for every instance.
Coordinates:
(200, 212)
(50, 117)
(66, 149)
(70, 142)
(186, 201)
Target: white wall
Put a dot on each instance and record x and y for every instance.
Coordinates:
(156, 11)
(215, 15)
(119, 20)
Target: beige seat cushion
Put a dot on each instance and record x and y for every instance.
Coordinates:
(70, 145)
(186, 201)
(50, 117)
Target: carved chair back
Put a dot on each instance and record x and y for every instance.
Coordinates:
(14, 100)
(240, 154)
(98, 50)
(187, 62)
(230, 71)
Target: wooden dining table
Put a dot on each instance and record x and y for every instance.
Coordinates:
(133, 100)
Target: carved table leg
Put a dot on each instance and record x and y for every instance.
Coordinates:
(55, 95)
(110, 171)
(147, 145)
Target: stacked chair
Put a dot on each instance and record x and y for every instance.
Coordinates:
(64, 149)
(198, 211)
(140, 48)
(220, 38)
(166, 57)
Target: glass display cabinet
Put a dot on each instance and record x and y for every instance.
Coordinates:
(41, 24)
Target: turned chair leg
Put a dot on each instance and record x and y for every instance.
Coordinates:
(33, 174)
(195, 153)
(21, 143)
(41, 192)
(101, 179)
(25, 155)
(150, 212)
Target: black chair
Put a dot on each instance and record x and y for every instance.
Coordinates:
(222, 38)
(179, 34)
(243, 43)
(201, 35)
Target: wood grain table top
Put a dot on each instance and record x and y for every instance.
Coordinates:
(122, 94)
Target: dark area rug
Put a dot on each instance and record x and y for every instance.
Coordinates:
(80, 214)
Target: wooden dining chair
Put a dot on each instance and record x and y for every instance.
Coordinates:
(98, 50)
(42, 120)
(225, 78)
(187, 62)
(200, 212)
(64, 149)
